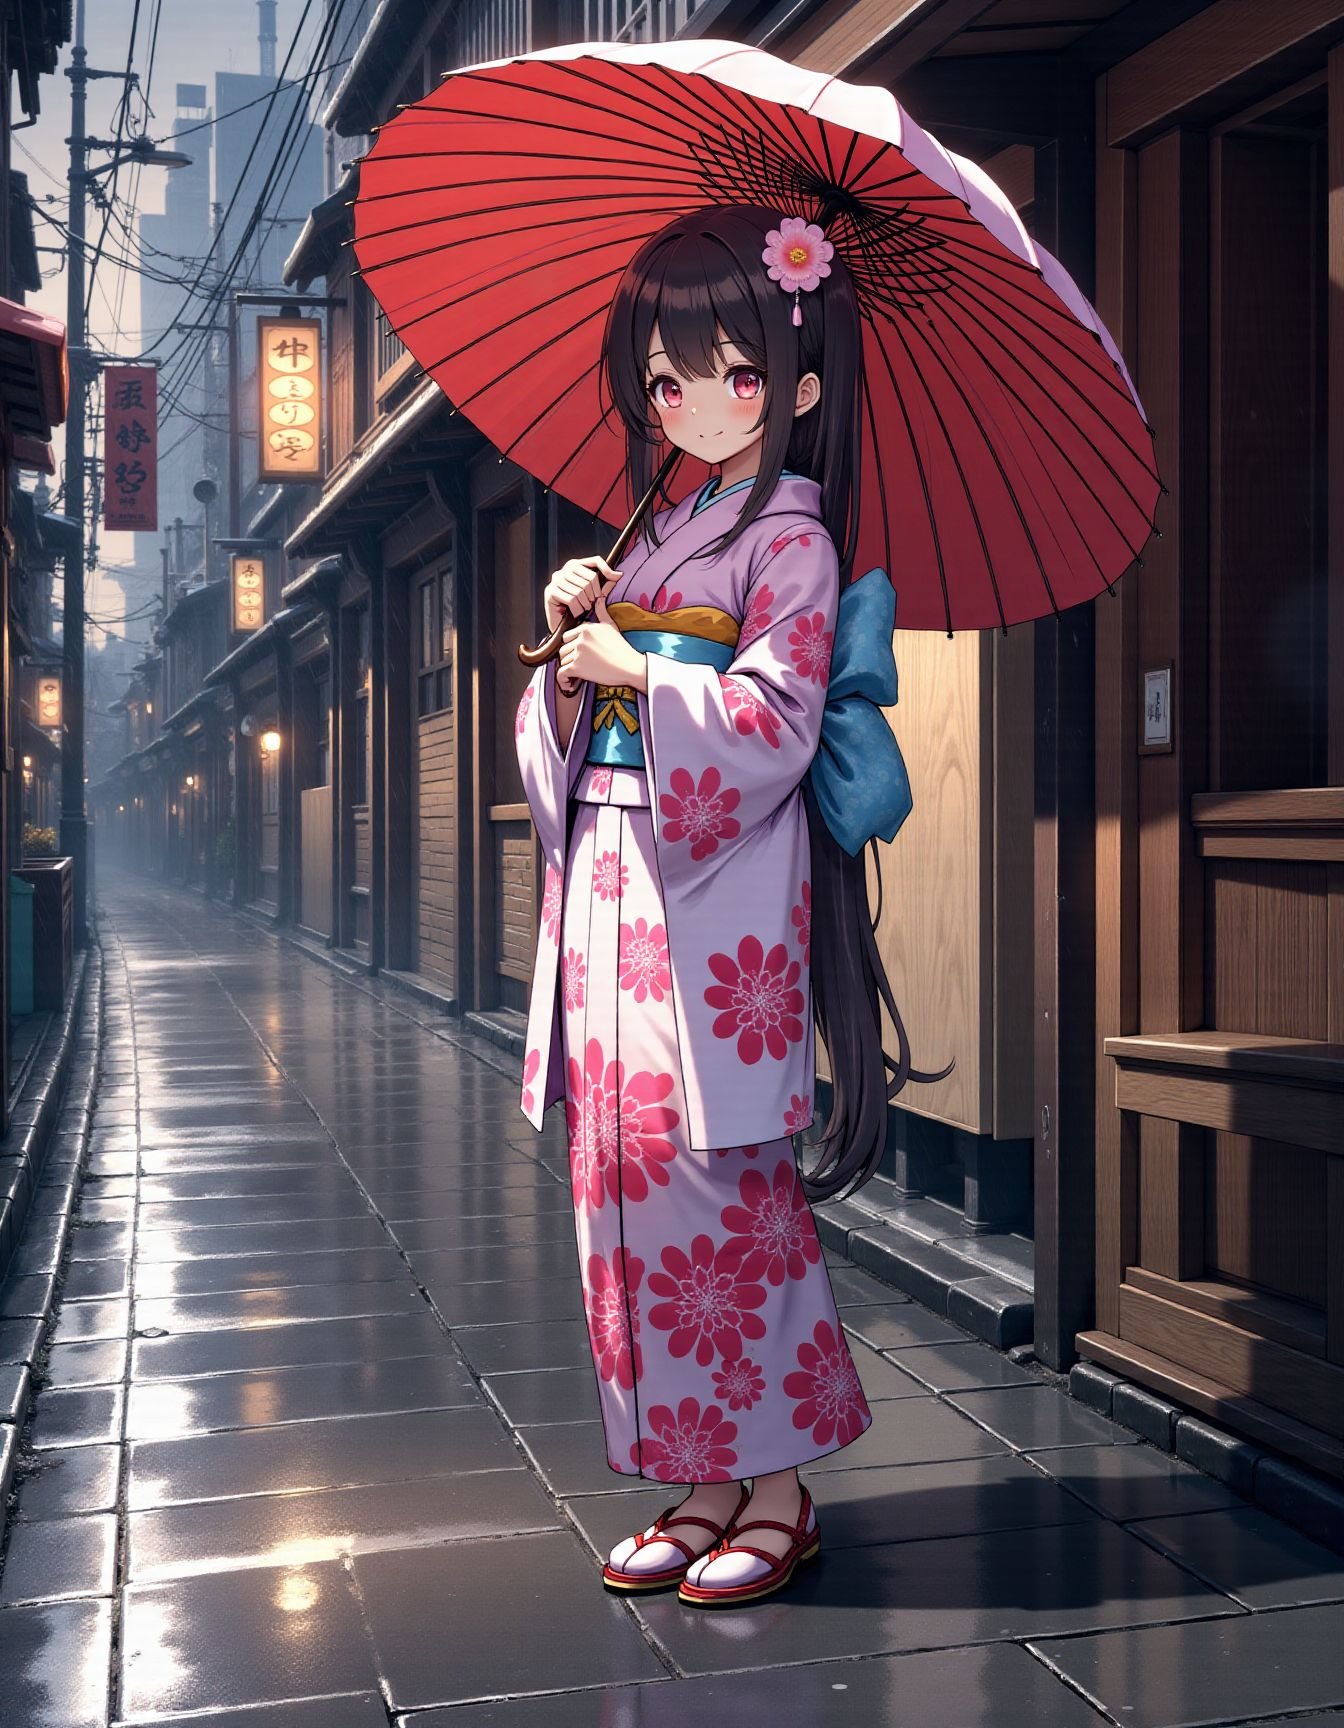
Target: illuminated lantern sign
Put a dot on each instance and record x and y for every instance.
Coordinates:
(289, 375)
(249, 590)
(49, 700)
(130, 447)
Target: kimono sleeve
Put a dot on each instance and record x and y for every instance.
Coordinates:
(550, 773)
(729, 748)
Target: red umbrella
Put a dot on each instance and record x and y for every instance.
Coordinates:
(1008, 467)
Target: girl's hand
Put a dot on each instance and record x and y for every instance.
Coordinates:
(599, 654)
(574, 587)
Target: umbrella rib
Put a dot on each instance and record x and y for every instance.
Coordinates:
(432, 250)
(1082, 433)
(1087, 439)
(754, 115)
(952, 450)
(919, 464)
(961, 475)
(550, 408)
(500, 209)
(457, 155)
(949, 361)
(1106, 376)
(541, 306)
(487, 287)
(528, 179)
(586, 108)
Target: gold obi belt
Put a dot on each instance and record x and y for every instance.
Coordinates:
(699, 635)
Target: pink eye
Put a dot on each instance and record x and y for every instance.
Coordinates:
(666, 392)
(745, 383)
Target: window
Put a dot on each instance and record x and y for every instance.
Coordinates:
(434, 616)
(322, 732)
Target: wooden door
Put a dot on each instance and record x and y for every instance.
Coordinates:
(434, 863)
(1221, 1115)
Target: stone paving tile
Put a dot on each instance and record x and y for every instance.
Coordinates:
(89, 1320)
(260, 1530)
(1134, 1481)
(549, 1344)
(1035, 1418)
(98, 1278)
(506, 1302)
(161, 1409)
(1190, 1675)
(941, 1593)
(1250, 1555)
(96, 1364)
(882, 1377)
(340, 1451)
(958, 1367)
(560, 1630)
(258, 1209)
(460, 1266)
(936, 1689)
(56, 1658)
(253, 1636)
(284, 1306)
(20, 1339)
(213, 1274)
(898, 1324)
(546, 1395)
(67, 1480)
(59, 1557)
(321, 1237)
(304, 1344)
(350, 1710)
(496, 1231)
(78, 1417)
(100, 1241)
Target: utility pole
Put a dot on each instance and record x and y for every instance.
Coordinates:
(74, 816)
(74, 820)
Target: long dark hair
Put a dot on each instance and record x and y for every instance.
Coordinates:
(701, 273)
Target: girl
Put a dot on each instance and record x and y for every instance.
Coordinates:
(664, 759)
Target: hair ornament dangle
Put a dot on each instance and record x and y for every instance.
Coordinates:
(798, 255)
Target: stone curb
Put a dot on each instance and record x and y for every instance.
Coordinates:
(41, 1194)
(1309, 1502)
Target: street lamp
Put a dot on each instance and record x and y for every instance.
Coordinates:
(270, 742)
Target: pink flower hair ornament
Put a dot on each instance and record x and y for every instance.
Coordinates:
(798, 255)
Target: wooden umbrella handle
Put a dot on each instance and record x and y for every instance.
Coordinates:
(548, 649)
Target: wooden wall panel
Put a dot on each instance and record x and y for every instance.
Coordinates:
(363, 848)
(436, 850)
(515, 900)
(315, 841)
(1268, 957)
(935, 932)
(1265, 1219)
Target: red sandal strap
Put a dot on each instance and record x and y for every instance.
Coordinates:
(769, 1524)
(773, 1561)
(675, 1541)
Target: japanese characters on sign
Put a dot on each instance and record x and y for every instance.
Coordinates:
(49, 699)
(249, 590)
(289, 377)
(130, 447)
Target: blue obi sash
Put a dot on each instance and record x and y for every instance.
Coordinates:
(616, 739)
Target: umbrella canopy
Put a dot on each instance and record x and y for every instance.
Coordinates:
(1007, 465)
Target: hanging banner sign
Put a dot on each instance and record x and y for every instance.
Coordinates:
(249, 588)
(289, 409)
(130, 447)
(49, 699)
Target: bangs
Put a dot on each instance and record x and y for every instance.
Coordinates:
(690, 306)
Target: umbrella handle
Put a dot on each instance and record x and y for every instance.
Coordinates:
(551, 646)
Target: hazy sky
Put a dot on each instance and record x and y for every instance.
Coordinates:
(196, 39)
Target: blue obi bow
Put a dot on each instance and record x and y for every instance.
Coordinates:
(858, 774)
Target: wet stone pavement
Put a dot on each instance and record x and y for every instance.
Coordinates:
(319, 1446)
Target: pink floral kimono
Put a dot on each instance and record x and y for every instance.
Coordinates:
(671, 1001)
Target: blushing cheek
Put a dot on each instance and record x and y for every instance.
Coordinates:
(742, 411)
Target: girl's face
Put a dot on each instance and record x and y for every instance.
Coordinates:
(715, 418)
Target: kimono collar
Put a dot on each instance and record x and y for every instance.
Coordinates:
(794, 494)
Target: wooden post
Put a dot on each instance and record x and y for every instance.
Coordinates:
(335, 757)
(1116, 779)
(1065, 1058)
(287, 804)
(242, 798)
(399, 908)
(377, 765)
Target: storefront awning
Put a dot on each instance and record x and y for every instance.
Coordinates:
(34, 377)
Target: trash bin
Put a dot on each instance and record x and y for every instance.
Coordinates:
(21, 897)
